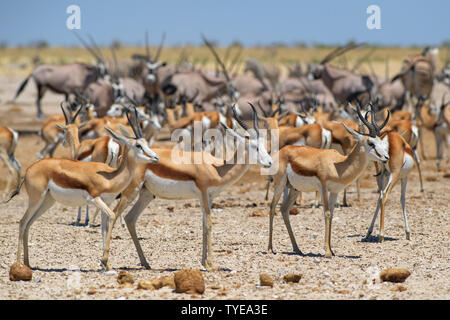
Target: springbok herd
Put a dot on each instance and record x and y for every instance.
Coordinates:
(329, 124)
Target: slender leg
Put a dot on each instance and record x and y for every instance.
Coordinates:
(130, 219)
(422, 149)
(328, 220)
(267, 190)
(358, 191)
(77, 223)
(416, 159)
(391, 182)
(285, 207)
(33, 212)
(278, 190)
(207, 261)
(404, 181)
(98, 202)
(438, 149)
(317, 200)
(40, 94)
(86, 222)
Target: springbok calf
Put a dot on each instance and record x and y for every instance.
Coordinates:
(76, 183)
(302, 168)
(8, 143)
(169, 179)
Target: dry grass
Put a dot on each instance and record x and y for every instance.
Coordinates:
(18, 61)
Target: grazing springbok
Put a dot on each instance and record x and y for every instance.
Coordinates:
(8, 144)
(169, 179)
(303, 168)
(76, 183)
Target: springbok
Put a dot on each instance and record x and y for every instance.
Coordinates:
(400, 163)
(303, 168)
(8, 144)
(76, 183)
(169, 179)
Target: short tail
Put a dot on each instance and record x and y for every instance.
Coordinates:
(22, 86)
(16, 191)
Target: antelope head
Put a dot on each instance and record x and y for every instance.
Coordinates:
(137, 143)
(376, 148)
(255, 142)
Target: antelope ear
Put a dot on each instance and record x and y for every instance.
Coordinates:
(357, 135)
(61, 127)
(120, 139)
(125, 132)
(84, 124)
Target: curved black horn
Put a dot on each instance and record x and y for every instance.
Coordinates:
(255, 118)
(136, 133)
(372, 130)
(64, 113)
(238, 119)
(76, 114)
(138, 123)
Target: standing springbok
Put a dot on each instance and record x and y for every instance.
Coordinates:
(76, 183)
(8, 144)
(400, 163)
(169, 179)
(302, 168)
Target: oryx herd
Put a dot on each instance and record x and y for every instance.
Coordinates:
(330, 124)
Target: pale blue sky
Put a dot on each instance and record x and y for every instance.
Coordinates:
(403, 22)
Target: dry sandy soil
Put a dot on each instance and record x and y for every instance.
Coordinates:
(66, 258)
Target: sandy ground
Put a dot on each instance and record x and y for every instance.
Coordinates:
(66, 258)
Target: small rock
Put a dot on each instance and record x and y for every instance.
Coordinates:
(265, 280)
(110, 273)
(170, 209)
(258, 213)
(294, 211)
(126, 285)
(394, 275)
(92, 291)
(295, 278)
(399, 288)
(20, 272)
(189, 281)
(125, 277)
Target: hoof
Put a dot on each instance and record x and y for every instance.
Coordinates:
(408, 236)
(380, 238)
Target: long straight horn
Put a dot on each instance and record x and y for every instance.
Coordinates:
(209, 45)
(147, 48)
(86, 46)
(95, 46)
(158, 53)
